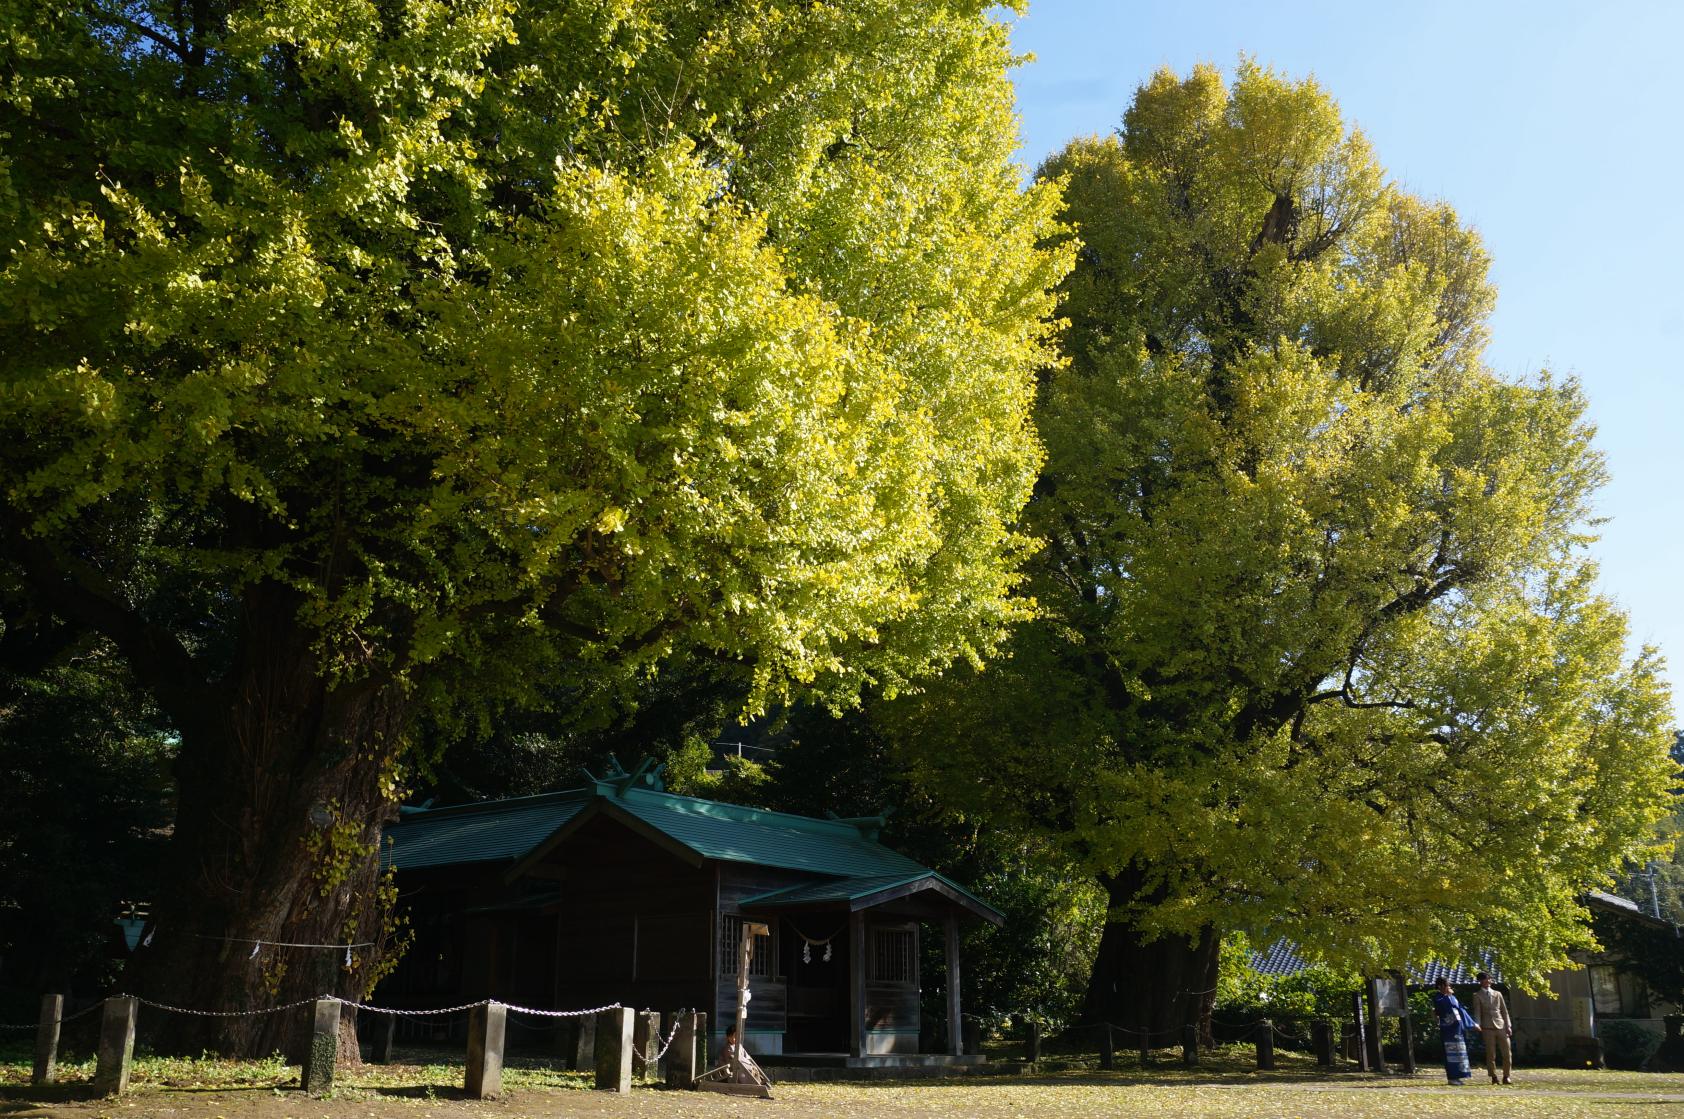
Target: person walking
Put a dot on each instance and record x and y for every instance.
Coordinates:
(1491, 1015)
(1452, 1028)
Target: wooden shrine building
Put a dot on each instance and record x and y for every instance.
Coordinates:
(619, 891)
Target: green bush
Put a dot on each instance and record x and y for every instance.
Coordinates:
(1626, 1044)
(1315, 992)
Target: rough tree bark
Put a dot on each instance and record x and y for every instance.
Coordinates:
(1155, 986)
(283, 788)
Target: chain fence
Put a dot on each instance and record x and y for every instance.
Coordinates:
(436, 1012)
(667, 1044)
(66, 1018)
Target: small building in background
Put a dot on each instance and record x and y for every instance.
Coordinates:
(618, 891)
(1560, 1024)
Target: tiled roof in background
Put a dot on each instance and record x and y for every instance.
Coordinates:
(1282, 958)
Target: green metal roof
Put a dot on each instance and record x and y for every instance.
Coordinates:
(862, 893)
(490, 831)
(509, 830)
(733, 833)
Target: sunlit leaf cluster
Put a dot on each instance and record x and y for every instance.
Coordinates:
(514, 337)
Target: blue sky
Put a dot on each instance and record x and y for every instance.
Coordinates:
(1553, 128)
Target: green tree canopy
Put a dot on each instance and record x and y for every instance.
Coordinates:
(366, 359)
(84, 769)
(1319, 652)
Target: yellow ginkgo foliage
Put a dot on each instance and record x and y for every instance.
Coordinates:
(366, 360)
(1319, 652)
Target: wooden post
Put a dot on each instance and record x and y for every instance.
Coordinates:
(584, 1043)
(1265, 1044)
(1376, 1050)
(1321, 1040)
(46, 1040)
(385, 1031)
(1189, 1045)
(955, 1018)
(1407, 1024)
(1107, 1047)
(1359, 1035)
(487, 1028)
(614, 1050)
(745, 956)
(646, 1040)
(323, 1053)
(856, 985)
(116, 1046)
(1033, 1051)
(681, 1057)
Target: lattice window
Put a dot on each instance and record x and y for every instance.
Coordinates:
(730, 945)
(891, 956)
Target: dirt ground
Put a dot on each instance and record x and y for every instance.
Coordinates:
(1556, 1094)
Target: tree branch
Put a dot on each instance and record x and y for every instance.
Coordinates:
(145, 32)
(83, 594)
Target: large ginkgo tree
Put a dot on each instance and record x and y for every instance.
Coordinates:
(370, 359)
(1319, 651)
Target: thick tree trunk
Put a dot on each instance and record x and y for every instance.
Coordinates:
(1152, 987)
(282, 795)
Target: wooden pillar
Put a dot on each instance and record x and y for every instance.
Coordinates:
(487, 1028)
(1407, 1025)
(856, 985)
(323, 1053)
(385, 1032)
(1033, 1050)
(646, 1041)
(1360, 1035)
(1321, 1040)
(682, 1069)
(584, 1043)
(955, 1015)
(46, 1040)
(116, 1046)
(1190, 1045)
(614, 1050)
(1107, 1047)
(1376, 1048)
(1265, 1044)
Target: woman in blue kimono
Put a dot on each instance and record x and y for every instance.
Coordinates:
(1452, 1027)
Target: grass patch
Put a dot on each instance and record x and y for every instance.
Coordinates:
(1225, 1086)
(412, 1070)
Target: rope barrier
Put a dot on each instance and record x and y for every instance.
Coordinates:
(441, 1012)
(667, 1044)
(1230, 1025)
(438, 1012)
(67, 1018)
(220, 1013)
(514, 1020)
(548, 1013)
(1130, 1032)
(283, 943)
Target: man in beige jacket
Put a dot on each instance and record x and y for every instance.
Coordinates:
(1491, 1013)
